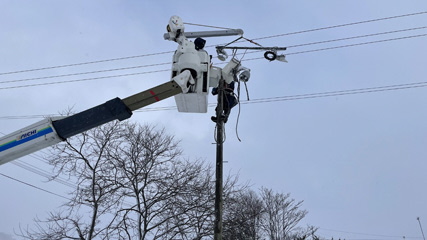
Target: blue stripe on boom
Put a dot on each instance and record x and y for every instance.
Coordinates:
(16, 143)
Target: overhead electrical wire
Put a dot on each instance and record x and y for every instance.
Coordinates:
(346, 46)
(317, 95)
(83, 73)
(338, 93)
(85, 63)
(85, 79)
(292, 53)
(348, 38)
(262, 100)
(397, 238)
(356, 37)
(168, 63)
(43, 173)
(33, 186)
(368, 234)
(278, 99)
(251, 59)
(359, 44)
(168, 52)
(126, 68)
(24, 117)
(342, 25)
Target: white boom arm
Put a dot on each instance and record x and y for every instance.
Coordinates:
(51, 131)
(28, 140)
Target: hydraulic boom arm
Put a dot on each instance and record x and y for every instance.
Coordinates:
(51, 131)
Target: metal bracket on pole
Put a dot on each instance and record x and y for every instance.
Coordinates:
(220, 33)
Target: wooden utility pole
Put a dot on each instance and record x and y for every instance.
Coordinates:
(219, 162)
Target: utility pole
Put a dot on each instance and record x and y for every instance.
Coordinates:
(219, 162)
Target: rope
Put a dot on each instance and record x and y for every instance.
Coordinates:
(251, 41)
(247, 92)
(233, 41)
(238, 113)
(224, 136)
(209, 26)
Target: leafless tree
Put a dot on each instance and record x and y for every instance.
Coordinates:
(131, 182)
(144, 170)
(281, 214)
(307, 233)
(194, 213)
(243, 212)
(82, 159)
(172, 197)
(251, 215)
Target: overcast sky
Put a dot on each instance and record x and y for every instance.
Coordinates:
(356, 158)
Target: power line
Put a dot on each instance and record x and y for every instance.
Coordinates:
(82, 73)
(33, 186)
(348, 38)
(366, 234)
(86, 63)
(43, 173)
(281, 98)
(24, 117)
(285, 98)
(164, 70)
(265, 100)
(342, 25)
(39, 171)
(168, 52)
(339, 93)
(359, 44)
(377, 238)
(345, 46)
(85, 79)
(168, 63)
(319, 95)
